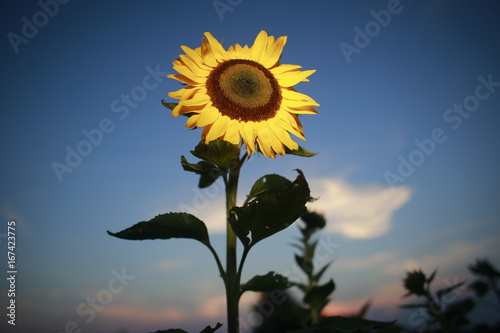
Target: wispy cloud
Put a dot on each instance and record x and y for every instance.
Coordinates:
(357, 211)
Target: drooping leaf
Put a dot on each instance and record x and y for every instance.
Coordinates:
(266, 283)
(219, 152)
(268, 184)
(209, 329)
(318, 295)
(270, 213)
(299, 152)
(200, 167)
(166, 226)
(170, 106)
(208, 172)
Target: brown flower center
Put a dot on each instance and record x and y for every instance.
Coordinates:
(244, 90)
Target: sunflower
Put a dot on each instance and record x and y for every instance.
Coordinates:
(242, 94)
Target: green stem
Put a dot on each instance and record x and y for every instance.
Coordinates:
(232, 281)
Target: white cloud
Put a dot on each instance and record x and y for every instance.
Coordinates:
(173, 264)
(356, 211)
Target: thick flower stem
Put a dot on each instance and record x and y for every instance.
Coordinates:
(232, 277)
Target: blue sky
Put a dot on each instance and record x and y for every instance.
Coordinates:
(405, 177)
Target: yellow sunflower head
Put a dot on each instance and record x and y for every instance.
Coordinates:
(242, 94)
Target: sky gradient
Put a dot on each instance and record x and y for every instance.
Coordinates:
(406, 172)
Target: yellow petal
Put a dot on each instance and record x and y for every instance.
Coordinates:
(218, 129)
(259, 46)
(219, 51)
(194, 56)
(296, 96)
(247, 132)
(208, 115)
(273, 53)
(264, 141)
(194, 67)
(282, 135)
(291, 123)
(191, 122)
(284, 68)
(208, 54)
(182, 109)
(289, 79)
(232, 132)
(183, 79)
(295, 107)
(198, 99)
(186, 71)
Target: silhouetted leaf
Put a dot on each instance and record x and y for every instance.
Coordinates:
(268, 184)
(480, 288)
(318, 295)
(431, 277)
(209, 329)
(165, 226)
(299, 316)
(208, 172)
(447, 290)
(266, 283)
(305, 265)
(318, 275)
(270, 212)
(364, 309)
(339, 324)
(483, 267)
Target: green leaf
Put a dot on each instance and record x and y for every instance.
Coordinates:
(209, 329)
(170, 106)
(317, 296)
(266, 283)
(339, 324)
(218, 152)
(208, 172)
(299, 152)
(200, 167)
(269, 213)
(268, 184)
(166, 226)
